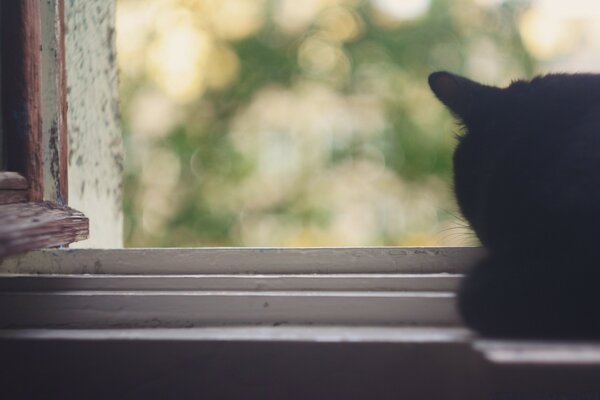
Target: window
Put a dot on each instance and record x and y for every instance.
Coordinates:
(358, 322)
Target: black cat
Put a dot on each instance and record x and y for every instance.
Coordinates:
(527, 179)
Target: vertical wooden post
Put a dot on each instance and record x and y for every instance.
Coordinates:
(62, 97)
(21, 76)
(31, 42)
(54, 101)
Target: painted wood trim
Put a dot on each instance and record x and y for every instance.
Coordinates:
(296, 333)
(237, 282)
(54, 101)
(28, 226)
(515, 352)
(63, 157)
(184, 261)
(137, 309)
(528, 352)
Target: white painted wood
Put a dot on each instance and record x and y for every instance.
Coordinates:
(328, 282)
(95, 144)
(51, 101)
(244, 260)
(321, 334)
(106, 309)
(232, 286)
(541, 353)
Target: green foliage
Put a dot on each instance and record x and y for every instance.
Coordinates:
(385, 66)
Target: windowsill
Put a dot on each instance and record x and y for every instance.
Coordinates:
(343, 322)
(240, 260)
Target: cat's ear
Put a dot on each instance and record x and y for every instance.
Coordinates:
(457, 93)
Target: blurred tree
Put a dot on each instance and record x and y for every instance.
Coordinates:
(284, 123)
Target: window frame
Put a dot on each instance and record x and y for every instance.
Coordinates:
(34, 189)
(72, 289)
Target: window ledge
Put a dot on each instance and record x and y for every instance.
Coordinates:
(248, 323)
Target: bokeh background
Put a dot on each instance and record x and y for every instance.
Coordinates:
(310, 122)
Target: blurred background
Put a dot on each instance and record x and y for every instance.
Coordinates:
(310, 122)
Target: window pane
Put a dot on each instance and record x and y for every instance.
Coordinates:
(300, 123)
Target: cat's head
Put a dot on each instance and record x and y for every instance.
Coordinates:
(507, 139)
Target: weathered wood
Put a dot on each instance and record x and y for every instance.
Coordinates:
(54, 101)
(96, 160)
(12, 181)
(28, 226)
(21, 76)
(182, 261)
(13, 196)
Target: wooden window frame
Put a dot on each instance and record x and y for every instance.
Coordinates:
(34, 189)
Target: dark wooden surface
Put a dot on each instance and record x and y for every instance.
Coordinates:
(237, 370)
(21, 102)
(29, 226)
(196, 369)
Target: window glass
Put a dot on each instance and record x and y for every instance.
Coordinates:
(310, 123)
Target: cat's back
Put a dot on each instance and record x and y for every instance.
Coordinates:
(528, 168)
(554, 166)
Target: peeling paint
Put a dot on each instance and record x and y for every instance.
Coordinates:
(95, 145)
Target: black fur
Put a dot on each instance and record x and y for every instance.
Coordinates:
(527, 179)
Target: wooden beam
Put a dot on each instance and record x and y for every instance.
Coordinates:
(30, 26)
(29, 226)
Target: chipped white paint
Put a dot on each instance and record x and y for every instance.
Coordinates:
(51, 101)
(95, 147)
